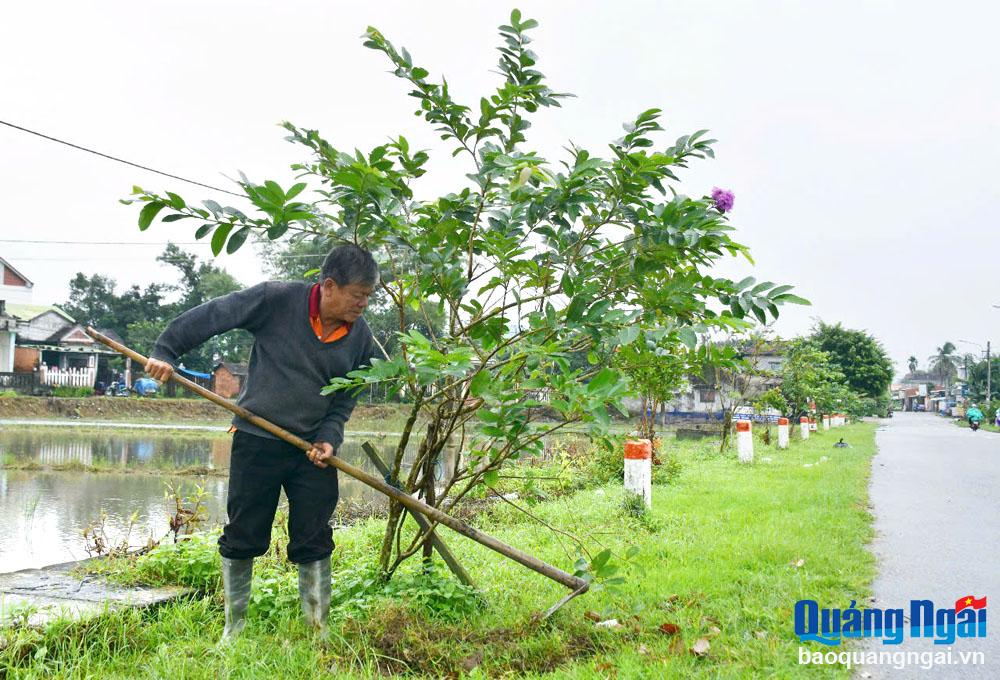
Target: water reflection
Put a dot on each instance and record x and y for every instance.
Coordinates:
(43, 513)
(137, 450)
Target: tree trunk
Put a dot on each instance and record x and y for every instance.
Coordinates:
(727, 426)
(395, 509)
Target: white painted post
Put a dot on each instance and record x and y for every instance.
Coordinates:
(826, 422)
(804, 427)
(744, 441)
(812, 425)
(782, 433)
(639, 469)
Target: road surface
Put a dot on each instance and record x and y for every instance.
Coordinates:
(935, 494)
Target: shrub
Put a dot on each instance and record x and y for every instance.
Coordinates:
(63, 391)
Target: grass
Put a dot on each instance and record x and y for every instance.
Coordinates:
(723, 555)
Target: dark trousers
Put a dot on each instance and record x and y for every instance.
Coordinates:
(258, 469)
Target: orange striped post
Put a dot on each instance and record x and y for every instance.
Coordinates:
(804, 427)
(639, 469)
(744, 441)
(782, 433)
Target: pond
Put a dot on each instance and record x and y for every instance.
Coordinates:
(43, 513)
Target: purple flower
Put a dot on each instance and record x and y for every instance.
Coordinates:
(723, 199)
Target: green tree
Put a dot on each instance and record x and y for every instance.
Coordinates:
(809, 375)
(977, 380)
(858, 355)
(657, 365)
(199, 282)
(944, 363)
(94, 301)
(733, 370)
(527, 262)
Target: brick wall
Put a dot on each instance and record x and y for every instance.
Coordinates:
(224, 383)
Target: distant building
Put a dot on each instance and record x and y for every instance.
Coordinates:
(228, 378)
(14, 286)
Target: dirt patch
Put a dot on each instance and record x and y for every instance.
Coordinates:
(398, 641)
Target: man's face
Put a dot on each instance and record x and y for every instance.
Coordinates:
(344, 303)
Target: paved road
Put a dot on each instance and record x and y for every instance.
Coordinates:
(935, 492)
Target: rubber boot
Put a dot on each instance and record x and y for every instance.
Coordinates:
(237, 576)
(314, 591)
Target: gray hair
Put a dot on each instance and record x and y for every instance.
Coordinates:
(349, 264)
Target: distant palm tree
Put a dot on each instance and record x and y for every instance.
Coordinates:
(943, 362)
(912, 363)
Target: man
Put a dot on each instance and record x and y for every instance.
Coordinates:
(304, 335)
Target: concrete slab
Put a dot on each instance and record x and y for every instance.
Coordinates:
(40, 596)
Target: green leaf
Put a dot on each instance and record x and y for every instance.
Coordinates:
(275, 191)
(604, 379)
(628, 334)
(219, 238)
(688, 337)
(148, 214)
(792, 299)
(176, 202)
(491, 478)
(176, 216)
(601, 559)
(203, 231)
(237, 240)
(479, 384)
(295, 191)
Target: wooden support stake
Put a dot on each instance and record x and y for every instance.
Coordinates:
(449, 559)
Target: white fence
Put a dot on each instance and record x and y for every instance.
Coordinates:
(70, 377)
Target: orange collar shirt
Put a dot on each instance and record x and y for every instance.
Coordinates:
(317, 323)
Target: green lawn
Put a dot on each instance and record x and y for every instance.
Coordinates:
(724, 555)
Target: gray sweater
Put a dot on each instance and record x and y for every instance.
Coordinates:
(289, 365)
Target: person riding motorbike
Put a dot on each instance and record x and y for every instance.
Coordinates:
(974, 416)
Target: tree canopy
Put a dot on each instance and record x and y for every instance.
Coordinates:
(858, 355)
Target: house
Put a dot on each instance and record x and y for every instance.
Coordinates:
(909, 397)
(51, 345)
(701, 399)
(8, 332)
(14, 286)
(228, 378)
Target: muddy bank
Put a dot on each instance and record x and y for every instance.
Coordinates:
(113, 408)
(134, 409)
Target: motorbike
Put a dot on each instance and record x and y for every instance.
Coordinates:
(974, 424)
(117, 389)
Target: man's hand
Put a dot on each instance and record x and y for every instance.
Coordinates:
(320, 453)
(159, 370)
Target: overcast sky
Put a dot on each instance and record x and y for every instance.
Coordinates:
(861, 139)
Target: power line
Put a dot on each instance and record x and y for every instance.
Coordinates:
(119, 160)
(102, 243)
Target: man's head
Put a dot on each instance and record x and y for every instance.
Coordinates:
(348, 277)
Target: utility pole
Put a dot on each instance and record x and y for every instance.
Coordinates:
(989, 372)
